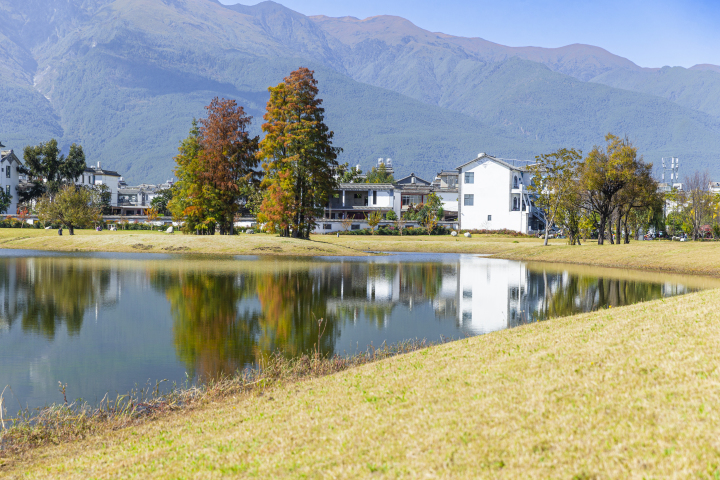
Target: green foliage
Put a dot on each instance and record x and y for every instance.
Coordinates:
(391, 215)
(48, 169)
(5, 201)
(103, 198)
(379, 175)
(347, 174)
(72, 206)
(161, 201)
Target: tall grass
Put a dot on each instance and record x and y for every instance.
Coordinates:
(70, 421)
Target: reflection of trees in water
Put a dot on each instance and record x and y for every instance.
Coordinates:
(215, 334)
(554, 294)
(45, 293)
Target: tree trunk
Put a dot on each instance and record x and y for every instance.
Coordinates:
(71, 230)
(601, 231)
(618, 227)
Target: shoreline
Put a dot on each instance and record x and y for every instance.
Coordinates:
(687, 258)
(597, 394)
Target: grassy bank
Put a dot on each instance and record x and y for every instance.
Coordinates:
(160, 242)
(695, 258)
(621, 393)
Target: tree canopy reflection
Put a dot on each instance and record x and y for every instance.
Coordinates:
(44, 293)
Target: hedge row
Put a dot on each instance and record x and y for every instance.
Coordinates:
(385, 230)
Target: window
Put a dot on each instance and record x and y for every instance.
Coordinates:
(489, 218)
(516, 204)
(515, 182)
(355, 226)
(374, 197)
(469, 200)
(469, 177)
(7, 171)
(7, 189)
(327, 226)
(358, 195)
(408, 200)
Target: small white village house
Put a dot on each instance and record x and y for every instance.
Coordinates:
(10, 177)
(493, 195)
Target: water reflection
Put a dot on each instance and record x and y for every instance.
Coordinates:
(45, 293)
(160, 318)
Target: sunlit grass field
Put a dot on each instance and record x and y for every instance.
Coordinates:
(632, 392)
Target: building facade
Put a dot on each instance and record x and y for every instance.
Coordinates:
(493, 195)
(10, 178)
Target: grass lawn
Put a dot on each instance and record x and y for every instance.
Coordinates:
(701, 258)
(632, 392)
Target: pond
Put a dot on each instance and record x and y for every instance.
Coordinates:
(106, 323)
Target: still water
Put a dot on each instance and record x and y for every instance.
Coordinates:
(106, 323)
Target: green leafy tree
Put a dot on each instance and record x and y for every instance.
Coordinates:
(391, 215)
(347, 174)
(103, 198)
(379, 175)
(72, 207)
(297, 144)
(48, 170)
(553, 179)
(603, 174)
(5, 201)
(161, 200)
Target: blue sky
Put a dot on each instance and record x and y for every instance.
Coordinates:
(650, 33)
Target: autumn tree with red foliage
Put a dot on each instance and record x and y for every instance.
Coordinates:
(298, 156)
(215, 168)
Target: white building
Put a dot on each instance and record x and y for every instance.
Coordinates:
(493, 195)
(10, 177)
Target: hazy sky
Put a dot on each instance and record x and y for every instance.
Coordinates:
(650, 33)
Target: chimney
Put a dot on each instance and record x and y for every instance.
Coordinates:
(98, 166)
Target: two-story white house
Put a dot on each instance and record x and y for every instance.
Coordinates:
(10, 177)
(493, 195)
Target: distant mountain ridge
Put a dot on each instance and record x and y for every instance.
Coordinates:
(126, 77)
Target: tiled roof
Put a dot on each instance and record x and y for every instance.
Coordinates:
(501, 161)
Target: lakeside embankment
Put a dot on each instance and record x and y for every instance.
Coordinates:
(694, 258)
(630, 392)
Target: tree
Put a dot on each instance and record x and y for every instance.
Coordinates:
(346, 223)
(228, 158)
(379, 175)
(553, 178)
(103, 198)
(71, 206)
(374, 220)
(191, 202)
(151, 214)
(5, 201)
(48, 170)
(602, 174)
(391, 215)
(700, 201)
(347, 174)
(298, 144)
(400, 222)
(23, 214)
(161, 200)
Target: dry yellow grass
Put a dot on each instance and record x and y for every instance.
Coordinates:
(159, 242)
(632, 392)
(702, 258)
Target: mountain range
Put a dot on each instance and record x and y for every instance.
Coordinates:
(125, 78)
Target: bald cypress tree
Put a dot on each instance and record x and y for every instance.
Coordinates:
(296, 152)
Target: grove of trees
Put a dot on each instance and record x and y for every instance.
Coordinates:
(609, 189)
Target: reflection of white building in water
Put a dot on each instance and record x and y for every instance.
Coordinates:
(490, 293)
